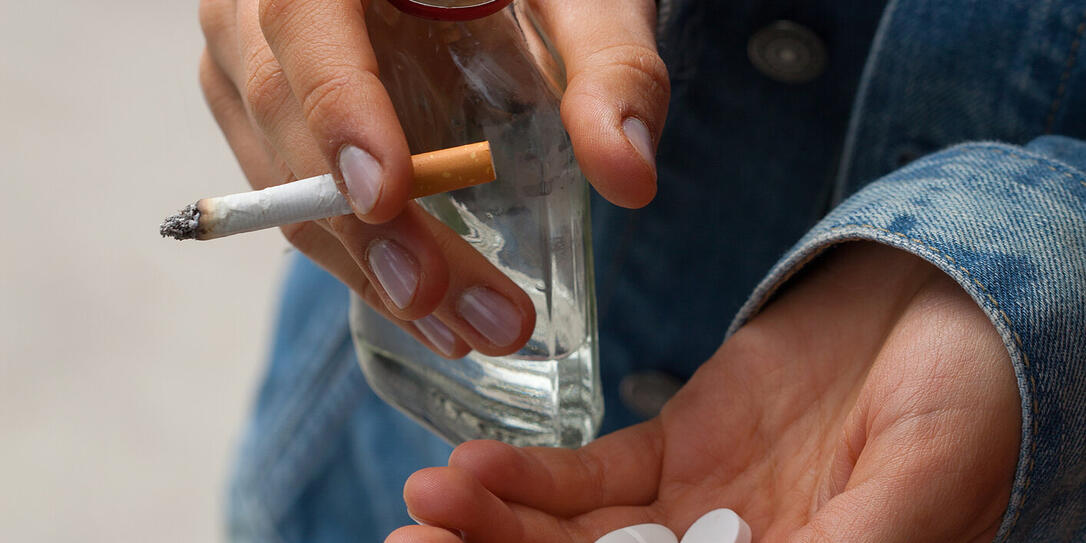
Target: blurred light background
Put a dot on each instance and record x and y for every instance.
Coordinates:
(127, 362)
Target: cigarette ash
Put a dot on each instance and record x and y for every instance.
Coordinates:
(181, 226)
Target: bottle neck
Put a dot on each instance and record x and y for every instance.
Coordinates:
(450, 10)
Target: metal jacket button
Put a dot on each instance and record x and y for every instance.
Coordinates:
(787, 52)
(645, 393)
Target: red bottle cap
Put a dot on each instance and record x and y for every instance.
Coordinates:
(450, 10)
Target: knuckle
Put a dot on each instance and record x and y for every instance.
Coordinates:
(281, 172)
(646, 63)
(334, 92)
(216, 87)
(345, 227)
(270, 10)
(639, 62)
(274, 15)
(266, 89)
(206, 73)
(215, 17)
(596, 472)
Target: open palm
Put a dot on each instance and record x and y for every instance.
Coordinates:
(871, 401)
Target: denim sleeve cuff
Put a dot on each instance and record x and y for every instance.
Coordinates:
(1009, 225)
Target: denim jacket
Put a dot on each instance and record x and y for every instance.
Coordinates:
(947, 128)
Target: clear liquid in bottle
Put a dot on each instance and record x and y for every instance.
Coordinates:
(454, 83)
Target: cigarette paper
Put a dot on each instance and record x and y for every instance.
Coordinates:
(319, 198)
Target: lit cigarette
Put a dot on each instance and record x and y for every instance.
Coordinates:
(318, 197)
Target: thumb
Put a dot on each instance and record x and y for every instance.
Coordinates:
(939, 475)
(872, 512)
(617, 92)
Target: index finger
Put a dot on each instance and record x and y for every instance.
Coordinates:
(620, 469)
(325, 54)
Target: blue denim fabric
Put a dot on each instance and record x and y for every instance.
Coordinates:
(747, 167)
(1009, 224)
(323, 459)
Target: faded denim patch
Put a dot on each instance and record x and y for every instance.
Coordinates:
(1009, 225)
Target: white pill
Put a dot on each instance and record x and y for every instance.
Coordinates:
(641, 533)
(718, 526)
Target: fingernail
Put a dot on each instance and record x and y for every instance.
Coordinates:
(639, 137)
(438, 334)
(417, 521)
(362, 175)
(395, 269)
(491, 315)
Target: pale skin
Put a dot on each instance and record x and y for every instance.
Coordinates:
(292, 82)
(870, 401)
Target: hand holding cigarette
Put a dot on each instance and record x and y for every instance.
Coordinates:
(294, 88)
(402, 268)
(319, 198)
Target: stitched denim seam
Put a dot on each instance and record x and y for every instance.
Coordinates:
(784, 279)
(859, 104)
(1065, 76)
(950, 261)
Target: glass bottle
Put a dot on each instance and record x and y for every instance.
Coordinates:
(462, 71)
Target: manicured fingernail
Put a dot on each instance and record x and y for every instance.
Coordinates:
(417, 521)
(438, 334)
(395, 269)
(362, 175)
(491, 315)
(639, 137)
